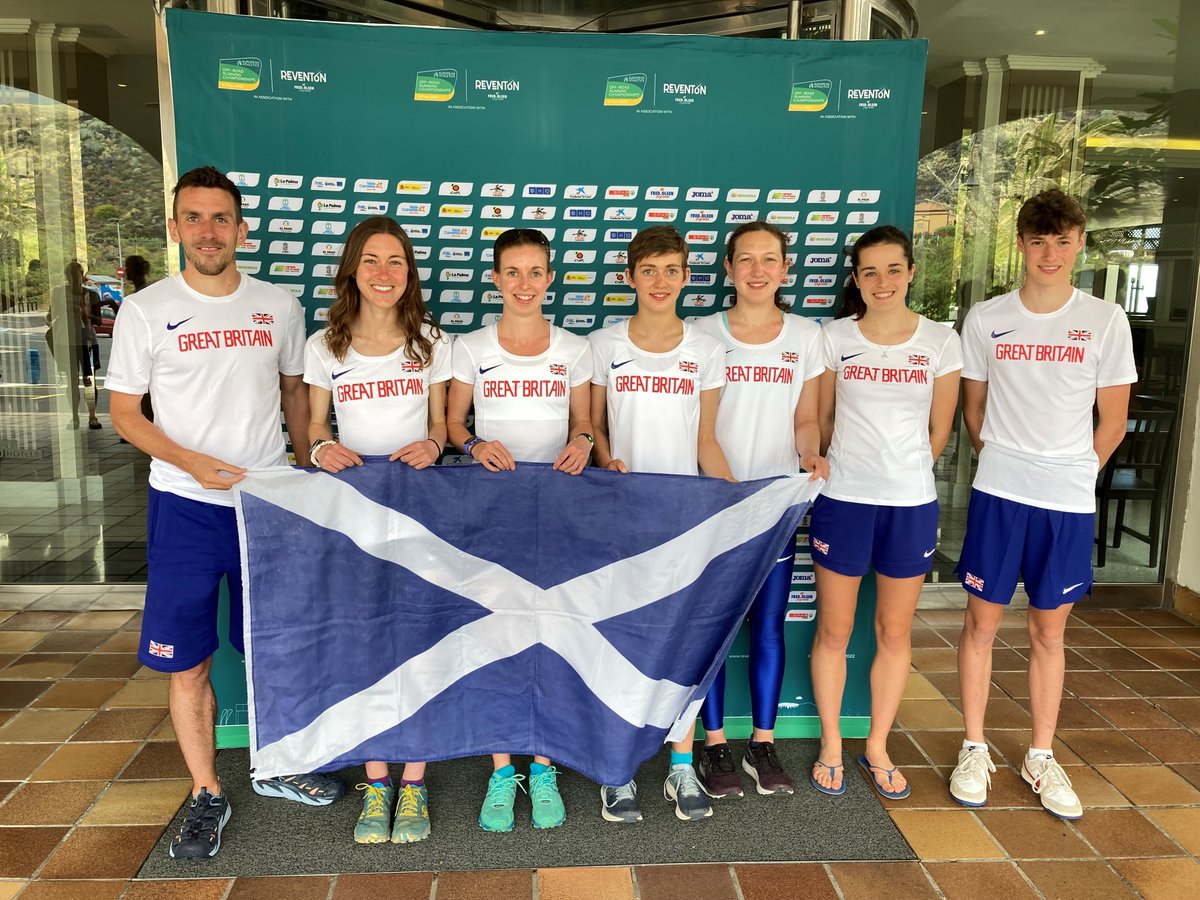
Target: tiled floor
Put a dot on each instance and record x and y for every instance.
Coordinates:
(90, 773)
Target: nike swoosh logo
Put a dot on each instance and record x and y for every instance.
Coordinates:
(483, 371)
(1000, 334)
(1072, 587)
(171, 327)
(337, 375)
(730, 350)
(617, 365)
(852, 355)
(929, 553)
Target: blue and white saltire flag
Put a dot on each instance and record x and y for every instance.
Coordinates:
(400, 615)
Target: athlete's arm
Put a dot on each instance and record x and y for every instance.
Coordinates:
(825, 407)
(424, 453)
(602, 453)
(1113, 405)
(807, 426)
(573, 458)
(128, 421)
(332, 457)
(941, 412)
(294, 394)
(974, 406)
(493, 454)
(708, 451)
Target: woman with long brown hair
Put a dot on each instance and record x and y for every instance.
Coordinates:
(379, 330)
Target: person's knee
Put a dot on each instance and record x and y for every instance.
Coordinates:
(1045, 638)
(893, 637)
(980, 630)
(194, 680)
(833, 635)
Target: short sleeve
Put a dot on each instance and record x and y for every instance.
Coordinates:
(439, 365)
(713, 373)
(583, 365)
(291, 354)
(462, 362)
(600, 359)
(814, 353)
(828, 354)
(316, 367)
(974, 348)
(951, 358)
(1117, 365)
(131, 360)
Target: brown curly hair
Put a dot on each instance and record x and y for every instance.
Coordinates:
(410, 308)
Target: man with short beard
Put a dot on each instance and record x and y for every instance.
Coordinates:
(218, 350)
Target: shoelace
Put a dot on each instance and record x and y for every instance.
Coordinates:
(1051, 778)
(722, 759)
(202, 816)
(765, 754)
(503, 790)
(376, 799)
(621, 793)
(979, 766)
(686, 783)
(410, 801)
(540, 784)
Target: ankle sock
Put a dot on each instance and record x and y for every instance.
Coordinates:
(384, 782)
(537, 768)
(974, 745)
(681, 759)
(1035, 753)
(415, 782)
(505, 772)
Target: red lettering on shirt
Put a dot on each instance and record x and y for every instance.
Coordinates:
(226, 338)
(1041, 353)
(760, 374)
(654, 384)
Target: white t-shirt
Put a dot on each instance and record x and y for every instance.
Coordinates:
(212, 366)
(653, 399)
(524, 402)
(1042, 372)
(880, 450)
(756, 419)
(381, 402)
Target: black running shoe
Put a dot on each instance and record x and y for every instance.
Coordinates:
(762, 764)
(200, 834)
(719, 773)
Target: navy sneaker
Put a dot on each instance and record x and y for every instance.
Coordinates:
(311, 788)
(200, 834)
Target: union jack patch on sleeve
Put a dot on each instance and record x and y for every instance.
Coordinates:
(689, 367)
(790, 357)
(558, 369)
(166, 651)
(262, 319)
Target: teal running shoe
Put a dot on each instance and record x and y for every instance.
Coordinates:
(497, 811)
(375, 821)
(412, 815)
(548, 809)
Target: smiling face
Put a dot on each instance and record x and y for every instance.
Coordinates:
(1050, 258)
(757, 267)
(382, 271)
(883, 275)
(522, 276)
(208, 227)
(658, 280)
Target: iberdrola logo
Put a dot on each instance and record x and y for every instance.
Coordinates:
(810, 96)
(239, 74)
(436, 85)
(624, 90)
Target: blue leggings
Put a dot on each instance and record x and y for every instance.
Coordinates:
(767, 653)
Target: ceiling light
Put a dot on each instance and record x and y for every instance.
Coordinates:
(122, 84)
(1040, 32)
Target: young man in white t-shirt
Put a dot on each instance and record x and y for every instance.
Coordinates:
(219, 351)
(1037, 361)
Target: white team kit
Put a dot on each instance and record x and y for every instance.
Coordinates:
(654, 398)
(523, 402)
(212, 366)
(755, 422)
(881, 431)
(1043, 370)
(381, 402)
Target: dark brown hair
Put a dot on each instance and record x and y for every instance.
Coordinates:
(519, 237)
(748, 228)
(852, 304)
(1050, 212)
(656, 241)
(206, 177)
(410, 308)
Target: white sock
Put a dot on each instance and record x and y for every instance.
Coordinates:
(1035, 753)
(974, 745)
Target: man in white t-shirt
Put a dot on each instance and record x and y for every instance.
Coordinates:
(1036, 362)
(218, 351)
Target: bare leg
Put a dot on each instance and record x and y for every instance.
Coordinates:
(193, 713)
(837, 598)
(975, 661)
(376, 770)
(1047, 664)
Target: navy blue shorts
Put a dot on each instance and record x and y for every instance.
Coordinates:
(849, 538)
(1007, 542)
(190, 547)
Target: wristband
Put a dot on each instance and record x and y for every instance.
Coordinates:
(471, 443)
(436, 445)
(591, 440)
(316, 447)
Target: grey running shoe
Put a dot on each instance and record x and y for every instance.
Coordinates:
(762, 764)
(685, 789)
(619, 804)
(199, 836)
(719, 772)
(311, 788)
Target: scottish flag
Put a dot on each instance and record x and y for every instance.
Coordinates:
(401, 615)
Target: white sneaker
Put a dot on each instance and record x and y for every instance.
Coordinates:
(1053, 786)
(972, 777)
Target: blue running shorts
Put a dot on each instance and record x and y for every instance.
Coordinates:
(849, 538)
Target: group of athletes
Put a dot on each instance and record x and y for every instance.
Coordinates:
(866, 402)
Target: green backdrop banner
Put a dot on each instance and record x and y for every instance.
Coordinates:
(460, 135)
